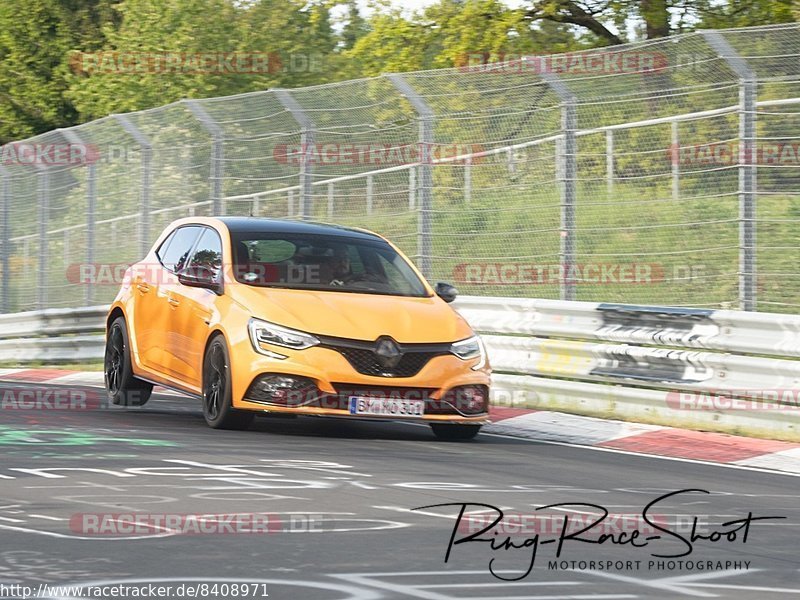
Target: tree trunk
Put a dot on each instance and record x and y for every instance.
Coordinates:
(656, 17)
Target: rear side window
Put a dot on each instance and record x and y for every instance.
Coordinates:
(174, 252)
(209, 252)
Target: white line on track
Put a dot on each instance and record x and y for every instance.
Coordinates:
(644, 455)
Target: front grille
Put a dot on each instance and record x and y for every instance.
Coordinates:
(362, 357)
(366, 363)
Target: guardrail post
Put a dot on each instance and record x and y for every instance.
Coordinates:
(43, 200)
(144, 192)
(569, 159)
(426, 120)
(217, 153)
(747, 166)
(307, 129)
(5, 236)
(91, 202)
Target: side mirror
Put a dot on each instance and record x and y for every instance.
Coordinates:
(200, 277)
(445, 291)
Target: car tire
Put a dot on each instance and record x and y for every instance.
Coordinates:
(218, 408)
(451, 433)
(123, 388)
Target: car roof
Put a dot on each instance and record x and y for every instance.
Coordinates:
(264, 225)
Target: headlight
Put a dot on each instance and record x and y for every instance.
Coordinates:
(470, 348)
(262, 332)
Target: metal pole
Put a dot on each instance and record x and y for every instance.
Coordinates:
(468, 180)
(412, 188)
(569, 157)
(145, 190)
(307, 129)
(43, 200)
(330, 201)
(5, 235)
(610, 162)
(748, 92)
(369, 194)
(217, 166)
(426, 135)
(676, 161)
(91, 202)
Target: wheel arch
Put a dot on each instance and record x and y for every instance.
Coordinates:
(113, 315)
(213, 334)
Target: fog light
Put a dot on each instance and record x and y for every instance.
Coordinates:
(283, 390)
(469, 399)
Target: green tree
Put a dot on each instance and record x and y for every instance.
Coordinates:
(151, 27)
(714, 15)
(355, 26)
(35, 41)
(451, 33)
(608, 19)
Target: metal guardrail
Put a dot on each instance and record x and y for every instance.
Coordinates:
(729, 371)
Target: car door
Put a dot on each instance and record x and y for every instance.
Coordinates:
(152, 312)
(192, 310)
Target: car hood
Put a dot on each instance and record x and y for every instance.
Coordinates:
(357, 316)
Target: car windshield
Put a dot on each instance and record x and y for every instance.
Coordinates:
(327, 263)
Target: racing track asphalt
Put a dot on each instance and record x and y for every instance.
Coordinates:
(354, 483)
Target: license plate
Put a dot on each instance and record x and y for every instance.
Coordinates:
(386, 407)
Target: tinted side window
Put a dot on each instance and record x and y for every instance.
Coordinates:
(209, 252)
(175, 250)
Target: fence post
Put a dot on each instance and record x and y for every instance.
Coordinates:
(370, 192)
(569, 159)
(5, 236)
(217, 166)
(675, 142)
(425, 224)
(610, 162)
(144, 192)
(468, 179)
(91, 203)
(412, 188)
(43, 200)
(747, 166)
(307, 129)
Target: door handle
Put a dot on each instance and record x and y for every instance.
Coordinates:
(173, 301)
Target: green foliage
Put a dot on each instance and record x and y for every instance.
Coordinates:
(41, 41)
(35, 39)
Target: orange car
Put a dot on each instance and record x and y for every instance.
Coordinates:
(257, 315)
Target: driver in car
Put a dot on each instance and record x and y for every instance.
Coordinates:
(340, 272)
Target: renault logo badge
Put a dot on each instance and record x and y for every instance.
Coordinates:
(388, 353)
